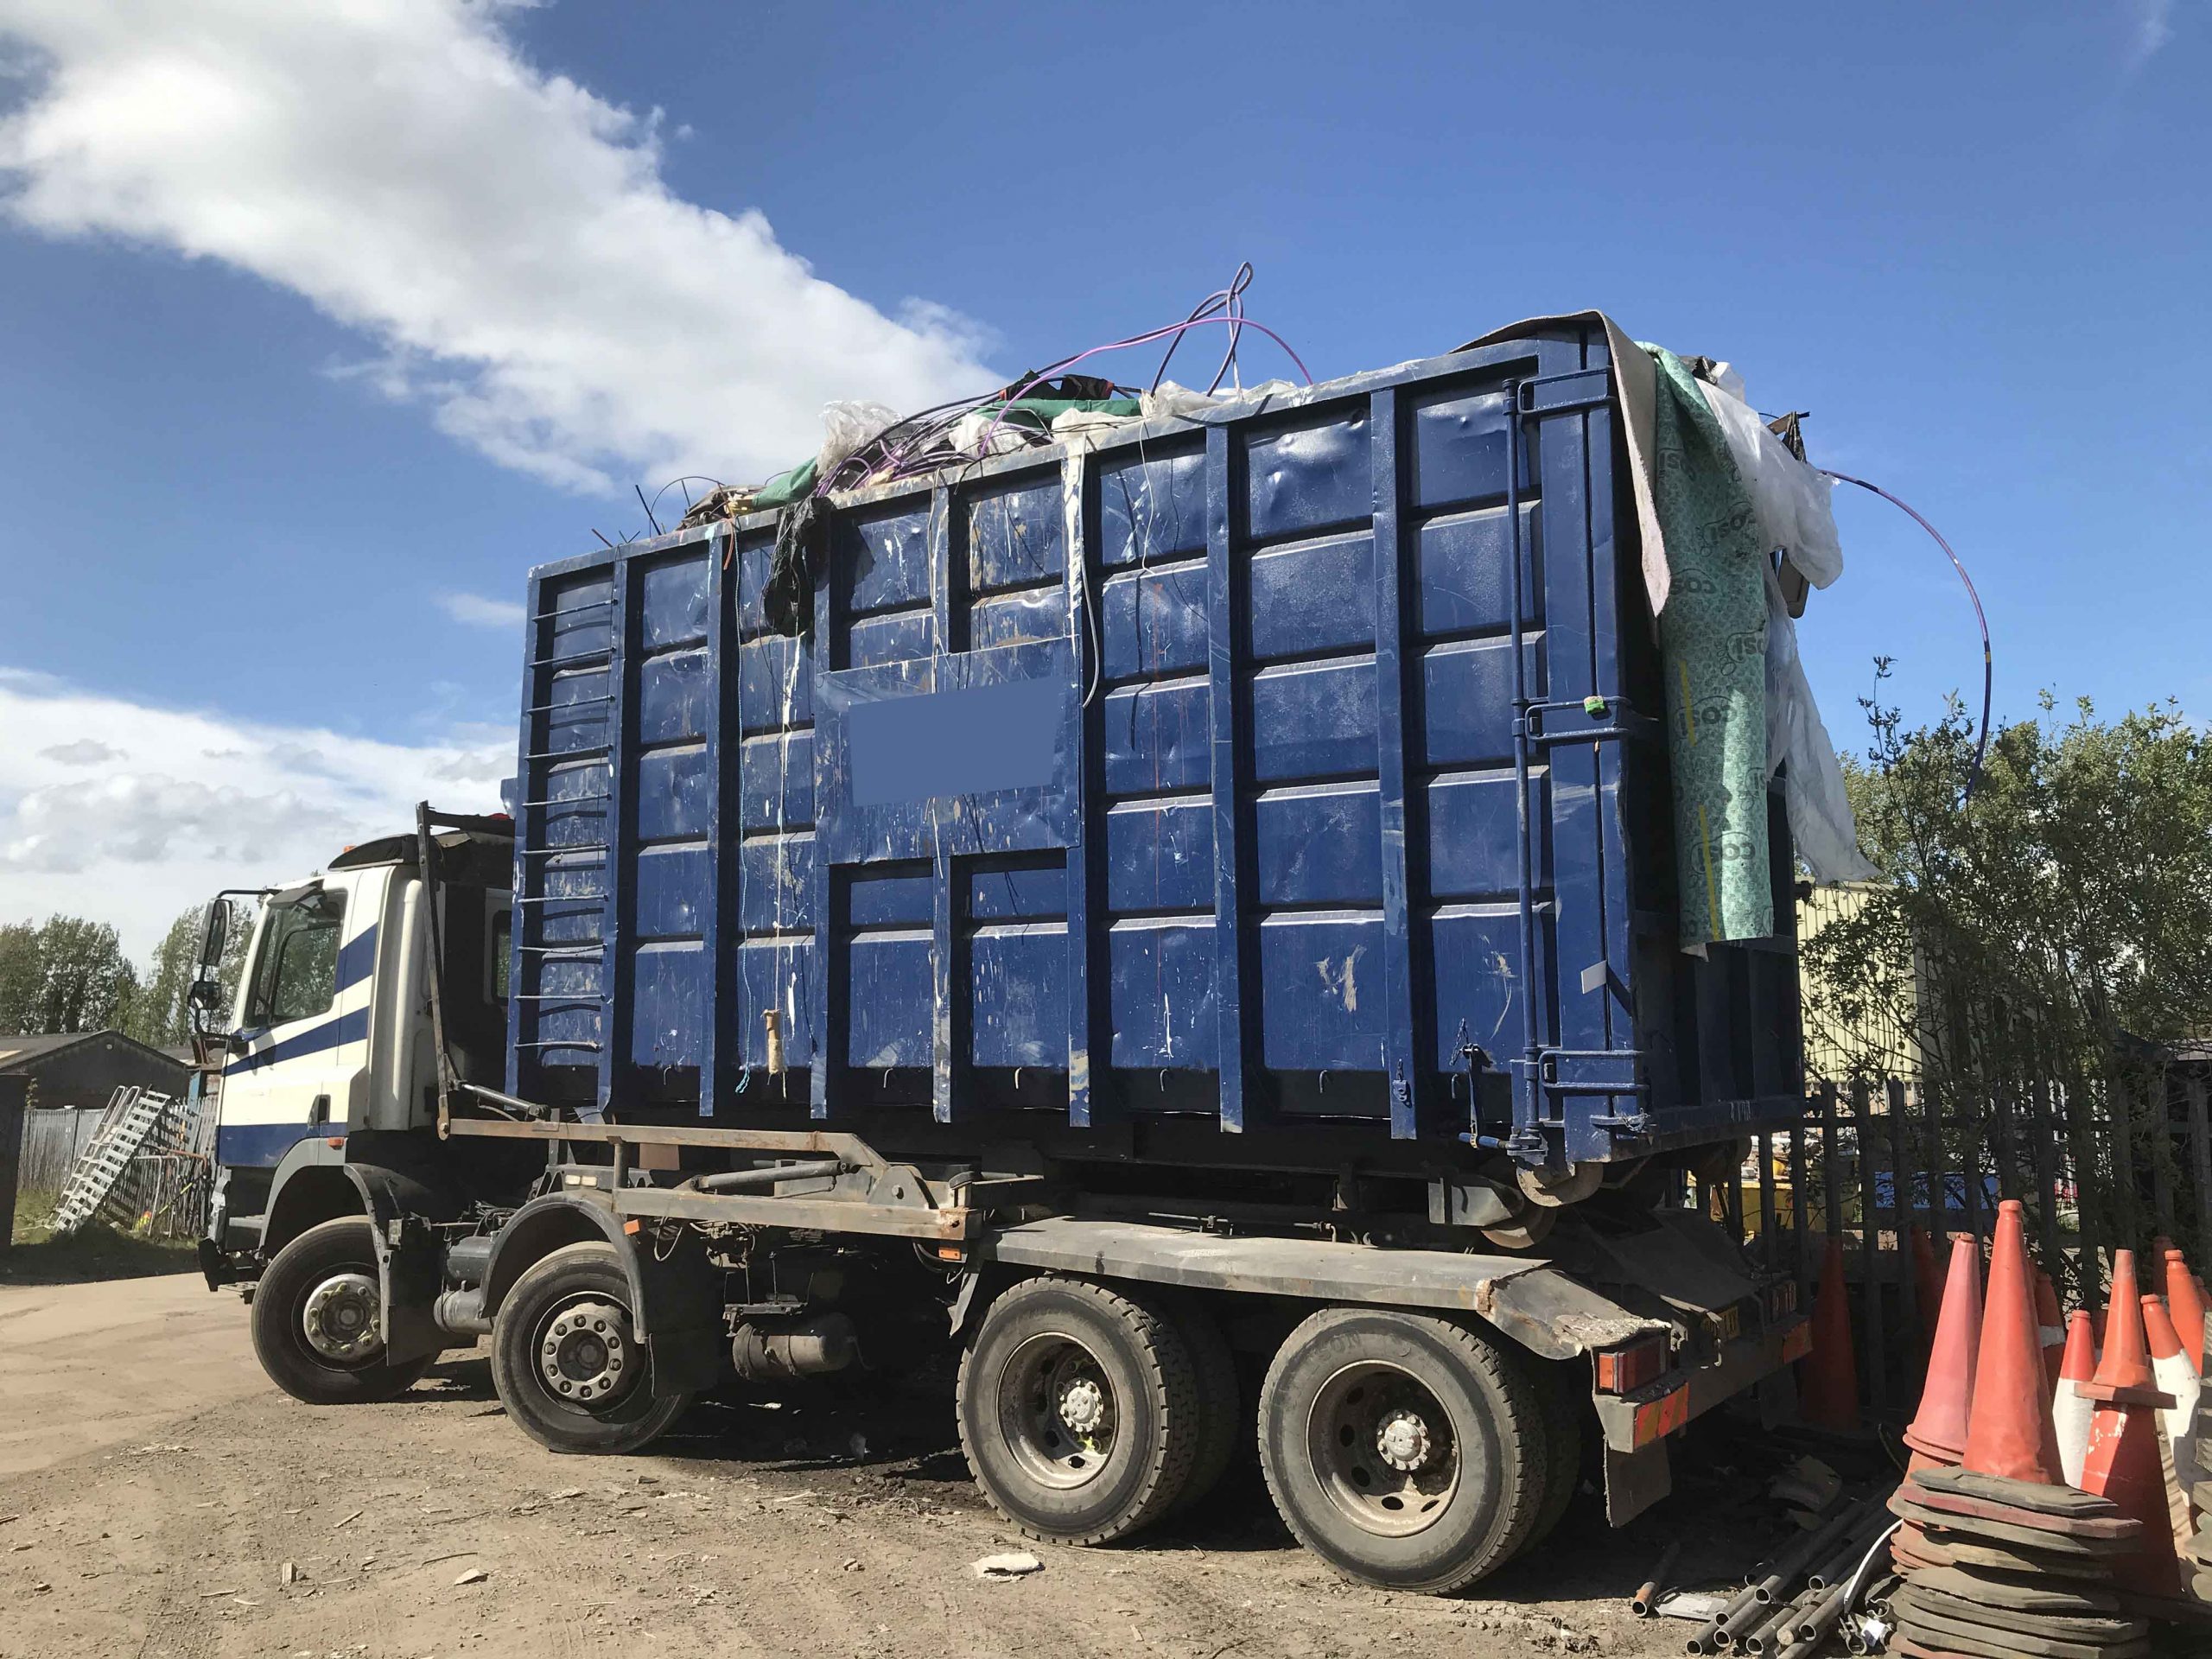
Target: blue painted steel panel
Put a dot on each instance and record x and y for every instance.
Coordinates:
(1173, 776)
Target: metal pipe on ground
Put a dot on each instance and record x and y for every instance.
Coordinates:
(1714, 1637)
(1647, 1596)
(740, 1180)
(1792, 1563)
(1850, 1550)
(1765, 1637)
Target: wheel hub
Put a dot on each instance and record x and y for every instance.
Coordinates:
(340, 1317)
(1402, 1441)
(588, 1354)
(1385, 1452)
(1083, 1408)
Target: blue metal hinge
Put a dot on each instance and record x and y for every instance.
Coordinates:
(1561, 394)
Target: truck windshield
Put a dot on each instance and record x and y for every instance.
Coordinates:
(296, 975)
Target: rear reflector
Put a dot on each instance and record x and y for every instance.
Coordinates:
(1624, 1370)
(1657, 1419)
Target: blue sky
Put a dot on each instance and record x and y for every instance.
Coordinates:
(265, 442)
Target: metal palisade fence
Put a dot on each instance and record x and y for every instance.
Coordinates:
(2101, 1166)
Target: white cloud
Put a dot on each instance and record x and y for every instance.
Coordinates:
(502, 235)
(2150, 28)
(183, 803)
(478, 612)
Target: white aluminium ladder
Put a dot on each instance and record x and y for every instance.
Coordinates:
(134, 1116)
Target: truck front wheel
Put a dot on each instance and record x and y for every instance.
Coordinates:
(316, 1317)
(566, 1360)
(1408, 1451)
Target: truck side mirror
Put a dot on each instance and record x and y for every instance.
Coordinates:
(212, 942)
(205, 994)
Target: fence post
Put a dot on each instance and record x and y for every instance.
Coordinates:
(1870, 1246)
(2046, 1183)
(1797, 1205)
(2161, 1132)
(2119, 1107)
(1763, 1144)
(2200, 1142)
(1939, 1200)
(1910, 1312)
(1831, 1178)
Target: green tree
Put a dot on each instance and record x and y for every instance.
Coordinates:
(161, 1013)
(87, 983)
(2040, 931)
(23, 974)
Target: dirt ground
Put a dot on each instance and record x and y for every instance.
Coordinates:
(153, 1488)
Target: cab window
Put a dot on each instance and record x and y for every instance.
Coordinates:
(296, 976)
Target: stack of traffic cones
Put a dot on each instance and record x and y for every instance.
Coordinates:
(2002, 1556)
(1937, 1433)
(2124, 1462)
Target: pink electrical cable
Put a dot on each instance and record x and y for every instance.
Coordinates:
(1061, 367)
(1988, 671)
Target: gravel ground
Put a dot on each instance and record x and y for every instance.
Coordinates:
(160, 1498)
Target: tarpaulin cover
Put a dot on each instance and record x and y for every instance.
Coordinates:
(1713, 644)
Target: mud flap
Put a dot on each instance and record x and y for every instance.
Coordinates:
(1636, 1480)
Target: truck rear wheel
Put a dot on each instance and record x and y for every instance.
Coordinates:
(1408, 1451)
(568, 1363)
(1223, 1424)
(1080, 1411)
(316, 1315)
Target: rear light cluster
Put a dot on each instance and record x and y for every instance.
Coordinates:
(1626, 1369)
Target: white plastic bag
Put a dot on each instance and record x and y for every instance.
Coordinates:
(1821, 820)
(845, 427)
(1792, 500)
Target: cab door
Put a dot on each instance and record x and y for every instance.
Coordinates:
(299, 1058)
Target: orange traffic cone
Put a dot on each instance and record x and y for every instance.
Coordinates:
(2172, 1373)
(2071, 1410)
(2123, 1462)
(1938, 1432)
(2186, 1303)
(2009, 1432)
(2050, 1327)
(1927, 1285)
(1827, 1389)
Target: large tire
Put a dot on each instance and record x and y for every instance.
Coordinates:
(569, 1367)
(315, 1319)
(1080, 1411)
(1222, 1423)
(1408, 1451)
(1560, 1401)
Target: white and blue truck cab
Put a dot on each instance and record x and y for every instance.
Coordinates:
(330, 1077)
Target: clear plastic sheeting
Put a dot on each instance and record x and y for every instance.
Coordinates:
(847, 428)
(1821, 820)
(1791, 500)
(1796, 517)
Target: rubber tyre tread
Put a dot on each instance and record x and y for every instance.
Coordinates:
(1160, 1356)
(1562, 1453)
(1499, 1382)
(280, 1339)
(590, 1265)
(1221, 1426)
